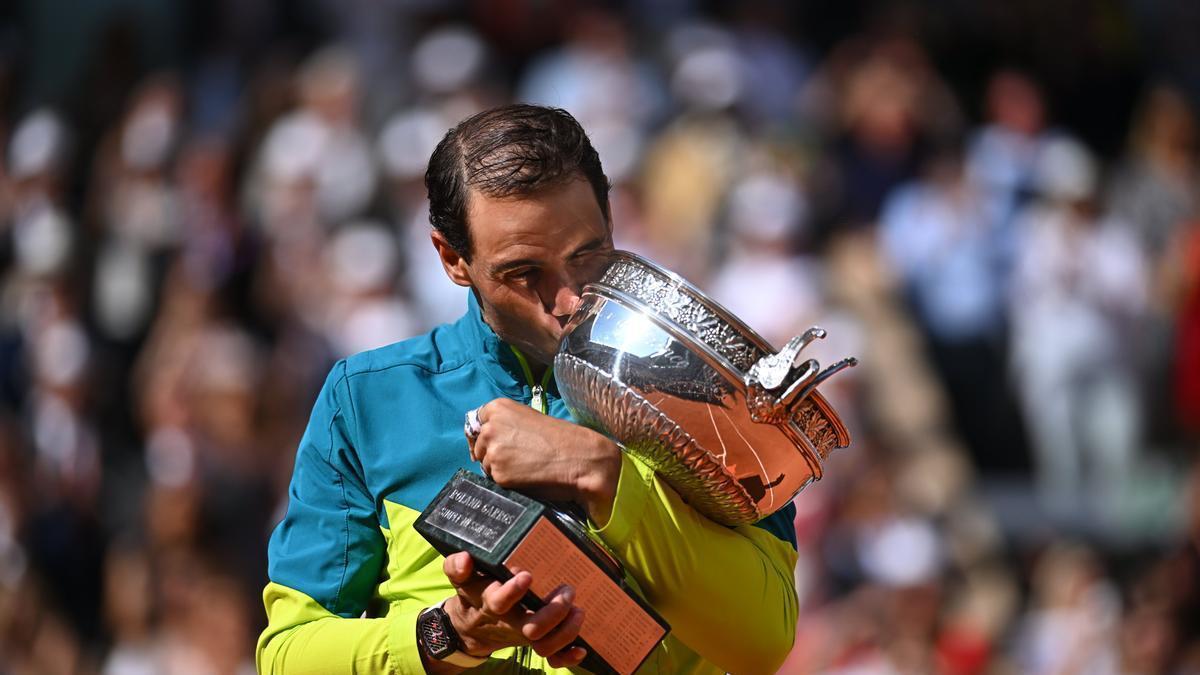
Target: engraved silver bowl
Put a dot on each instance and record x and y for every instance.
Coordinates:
(734, 426)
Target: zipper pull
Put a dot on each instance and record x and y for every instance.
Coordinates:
(539, 401)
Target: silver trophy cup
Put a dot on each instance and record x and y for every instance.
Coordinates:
(736, 428)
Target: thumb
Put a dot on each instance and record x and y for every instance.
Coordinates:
(458, 567)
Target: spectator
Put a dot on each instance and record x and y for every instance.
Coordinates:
(201, 209)
(1078, 295)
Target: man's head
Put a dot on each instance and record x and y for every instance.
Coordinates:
(519, 205)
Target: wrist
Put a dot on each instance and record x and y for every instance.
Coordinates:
(597, 486)
(434, 667)
(440, 644)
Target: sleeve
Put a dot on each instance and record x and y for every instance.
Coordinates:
(728, 593)
(325, 557)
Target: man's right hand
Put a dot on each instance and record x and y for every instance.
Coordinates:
(488, 615)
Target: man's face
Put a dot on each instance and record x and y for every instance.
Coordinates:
(530, 257)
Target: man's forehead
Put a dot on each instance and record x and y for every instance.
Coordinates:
(554, 218)
(576, 184)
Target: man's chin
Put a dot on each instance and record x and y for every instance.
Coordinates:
(544, 357)
(542, 354)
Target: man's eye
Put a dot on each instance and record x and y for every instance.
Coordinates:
(588, 257)
(526, 275)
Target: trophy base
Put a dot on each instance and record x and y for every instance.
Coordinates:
(505, 532)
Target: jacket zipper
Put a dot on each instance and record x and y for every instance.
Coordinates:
(537, 399)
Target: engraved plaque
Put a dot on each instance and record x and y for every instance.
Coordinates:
(505, 531)
(476, 514)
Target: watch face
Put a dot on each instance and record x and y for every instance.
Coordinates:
(437, 634)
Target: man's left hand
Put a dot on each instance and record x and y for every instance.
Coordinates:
(546, 457)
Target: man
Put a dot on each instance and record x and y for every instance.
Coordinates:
(519, 205)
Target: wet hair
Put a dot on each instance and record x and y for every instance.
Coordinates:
(511, 151)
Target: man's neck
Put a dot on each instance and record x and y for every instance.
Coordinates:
(537, 370)
(533, 370)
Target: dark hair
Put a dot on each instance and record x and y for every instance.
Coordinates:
(512, 150)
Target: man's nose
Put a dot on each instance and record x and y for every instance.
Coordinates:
(562, 300)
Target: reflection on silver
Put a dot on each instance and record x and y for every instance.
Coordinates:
(734, 427)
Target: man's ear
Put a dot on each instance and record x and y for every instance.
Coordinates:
(452, 262)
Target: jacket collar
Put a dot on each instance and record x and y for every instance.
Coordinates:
(500, 361)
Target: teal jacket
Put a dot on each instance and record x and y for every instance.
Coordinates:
(348, 574)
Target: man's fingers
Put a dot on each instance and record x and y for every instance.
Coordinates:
(458, 567)
(485, 410)
(478, 443)
(460, 570)
(567, 657)
(499, 599)
(562, 635)
(471, 591)
(489, 410)
(557, 607)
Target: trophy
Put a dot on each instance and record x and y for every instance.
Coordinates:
(736, 428)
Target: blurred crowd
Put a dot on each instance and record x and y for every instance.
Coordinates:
(203, 205)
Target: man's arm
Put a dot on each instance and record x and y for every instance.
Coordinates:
(325, 558)
(304, 637)
(728, 593)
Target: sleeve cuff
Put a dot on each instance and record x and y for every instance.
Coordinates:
(402, 641)
(633, 490)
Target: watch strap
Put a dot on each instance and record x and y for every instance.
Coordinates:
(439, 641)
(463, 659)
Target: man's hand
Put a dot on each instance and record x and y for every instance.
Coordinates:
(488, 615)
(546, 457)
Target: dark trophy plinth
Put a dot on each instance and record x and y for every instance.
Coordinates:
(506, 531)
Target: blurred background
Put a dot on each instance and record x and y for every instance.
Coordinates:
(995, 205)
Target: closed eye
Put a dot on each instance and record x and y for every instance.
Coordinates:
(584, 256)
(523, 274)
(591, 250)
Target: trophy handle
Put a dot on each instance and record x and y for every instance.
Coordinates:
(789, 399)
(770, 373)
(773, 369)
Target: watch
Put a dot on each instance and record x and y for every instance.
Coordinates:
(439, 641)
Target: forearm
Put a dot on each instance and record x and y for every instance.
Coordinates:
(439, 667)
(326, 557)
(328, 645)
(302, 637)
(728, 593)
